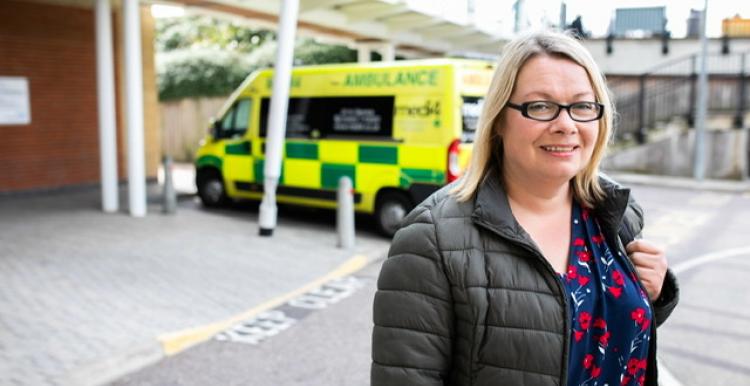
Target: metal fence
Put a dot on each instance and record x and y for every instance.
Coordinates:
(669, 90)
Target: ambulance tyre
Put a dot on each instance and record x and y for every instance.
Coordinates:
(211, 188)
(390, 208)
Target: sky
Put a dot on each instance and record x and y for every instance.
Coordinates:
(596, 15)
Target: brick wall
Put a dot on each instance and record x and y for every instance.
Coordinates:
(54, 47)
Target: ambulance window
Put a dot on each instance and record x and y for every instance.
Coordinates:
(242, 116)
(321, 117)
(227, 122)
(360, 117)
(298, 115)
(235, 120)
(470, 111)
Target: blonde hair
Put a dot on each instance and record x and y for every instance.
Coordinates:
(487, 144)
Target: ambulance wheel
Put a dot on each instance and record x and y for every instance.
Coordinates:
(211, 188)
(390, 209)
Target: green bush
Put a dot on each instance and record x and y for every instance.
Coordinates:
(187, 73)
(306, 52)
(192, 72)
(200, 56)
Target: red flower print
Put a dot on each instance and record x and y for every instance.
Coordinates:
(588, 360)
(604, 339)
(583, 256)
(642, 380)
(578, 335)
(617, 277)
(597, 239)
(579, 242)
(633, 366)
(585, 320)
(624, 380)
(600, 323)
(638, 314)
(572, 272)
(596, 371)
(585, 214)
(583, 280)
(646, 323)
(615, 291)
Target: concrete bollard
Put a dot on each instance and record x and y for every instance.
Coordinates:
(170, 196)
(345, 213)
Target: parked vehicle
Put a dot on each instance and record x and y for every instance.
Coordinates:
(399, 130)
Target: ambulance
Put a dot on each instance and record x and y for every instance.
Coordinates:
(400, 130)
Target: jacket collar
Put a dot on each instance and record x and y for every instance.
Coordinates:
(492, 209)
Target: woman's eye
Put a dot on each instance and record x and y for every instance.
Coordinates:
(539, 107)
(583, 106)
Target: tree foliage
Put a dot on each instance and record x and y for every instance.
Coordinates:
(209, 33)
(200, 56)
(200, 72)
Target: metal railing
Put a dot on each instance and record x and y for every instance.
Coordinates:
(668, 90)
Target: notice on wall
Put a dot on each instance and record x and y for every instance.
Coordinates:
(14, 101)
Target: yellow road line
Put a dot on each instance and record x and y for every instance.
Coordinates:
(173, 343)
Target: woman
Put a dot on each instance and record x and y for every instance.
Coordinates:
(527, 271)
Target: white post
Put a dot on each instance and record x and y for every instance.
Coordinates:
(388, 53)
(363, 53)
(134, 111)
(277, 115)
(169, 194)
(345, 213)
(105, 87)
(702, 102)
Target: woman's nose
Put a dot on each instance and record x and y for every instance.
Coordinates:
(564, 123)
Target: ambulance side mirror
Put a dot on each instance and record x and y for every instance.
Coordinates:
(215, 130)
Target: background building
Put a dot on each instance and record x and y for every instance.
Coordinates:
(639, 22)
(735, 27)
(51, 46)
(694, 24)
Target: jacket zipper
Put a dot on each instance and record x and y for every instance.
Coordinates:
(561, 291)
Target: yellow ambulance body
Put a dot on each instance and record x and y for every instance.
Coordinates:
(399, 130)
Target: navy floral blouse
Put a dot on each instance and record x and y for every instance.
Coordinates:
(610, 313)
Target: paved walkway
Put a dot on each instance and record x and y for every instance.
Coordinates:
(83, 295)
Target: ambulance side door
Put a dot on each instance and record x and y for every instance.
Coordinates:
(238, 160)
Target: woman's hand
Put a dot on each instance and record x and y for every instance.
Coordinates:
(650, 263)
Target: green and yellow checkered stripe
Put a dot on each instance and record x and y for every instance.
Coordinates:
(310, 170)
(320, 164)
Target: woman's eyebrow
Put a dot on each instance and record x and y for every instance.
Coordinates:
(546, 96)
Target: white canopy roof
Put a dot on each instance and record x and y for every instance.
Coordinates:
(421, 27)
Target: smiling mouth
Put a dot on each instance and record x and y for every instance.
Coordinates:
(559, 149)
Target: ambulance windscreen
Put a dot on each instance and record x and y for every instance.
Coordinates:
(471, 109)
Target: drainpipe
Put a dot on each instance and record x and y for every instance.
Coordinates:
(701, 104)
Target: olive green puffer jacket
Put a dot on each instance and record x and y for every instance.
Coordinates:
(466, 298)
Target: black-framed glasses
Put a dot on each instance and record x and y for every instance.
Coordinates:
(546, 111)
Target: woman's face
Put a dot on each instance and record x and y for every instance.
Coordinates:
(553, 151)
